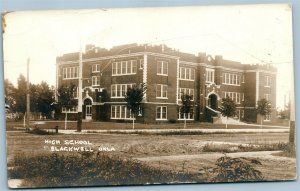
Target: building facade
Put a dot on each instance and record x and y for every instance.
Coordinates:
(167, 74)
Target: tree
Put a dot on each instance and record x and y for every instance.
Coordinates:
(263, 108)
(134, 97)
(186, 106)
(104, 112)
(9, 91)
(20, 95)
(228, 108)
(66, 98)
(44, 99)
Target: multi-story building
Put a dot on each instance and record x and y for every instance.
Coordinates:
(167, 74)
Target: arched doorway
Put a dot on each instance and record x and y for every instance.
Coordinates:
(88, 108)
(213, 101)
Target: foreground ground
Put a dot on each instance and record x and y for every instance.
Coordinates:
(173, 152)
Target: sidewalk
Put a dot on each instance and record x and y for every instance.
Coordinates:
(190, 131)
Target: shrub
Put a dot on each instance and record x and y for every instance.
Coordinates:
(172, 120)
(236, 170)
(38, 131)
(89, 169)
(222, 148)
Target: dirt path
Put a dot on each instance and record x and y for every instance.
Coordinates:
(272, 168)
(214, 156)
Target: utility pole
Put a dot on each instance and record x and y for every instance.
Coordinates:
(27, 96)
(79, 108)
(292, 114)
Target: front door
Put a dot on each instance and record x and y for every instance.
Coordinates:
(213, 102)
(88, 109)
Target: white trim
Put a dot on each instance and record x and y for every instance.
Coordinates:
(186, 91)
(121, 56)
(120, 65)
(177, 79)
(120, 90)
(187, 70)
(97, 80)
(264, 71)
(209, 75)
(145, 75)
(97, 68)
(231, 78)
(120, 107)
(164, 65)
(161, 113)
(162, 86)
(257, 87)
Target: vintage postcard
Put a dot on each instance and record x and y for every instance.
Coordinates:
(140, 96)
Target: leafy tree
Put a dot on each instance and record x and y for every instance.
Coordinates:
(44, 99)
(228, 108)
(285, 113)
(134, 97)
(20, 95)
(104, 109)
(186, 106)
(263, 108)
(66, 98)
(9, 91)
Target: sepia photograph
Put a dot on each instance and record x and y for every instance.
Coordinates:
(142, 96)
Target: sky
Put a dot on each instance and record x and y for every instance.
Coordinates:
(249, 34)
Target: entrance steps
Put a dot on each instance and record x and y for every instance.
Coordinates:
(232, 121)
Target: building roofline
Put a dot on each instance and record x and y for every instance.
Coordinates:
(119, 56)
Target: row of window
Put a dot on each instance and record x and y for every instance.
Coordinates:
(119, 90)
(235, 96)
(70, 72)
(124, 67)
(232, 79)
(185, 91)
(187, 73)
(130, 67)
(121, 112)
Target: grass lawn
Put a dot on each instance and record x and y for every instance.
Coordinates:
(175, 152)
(128, 125)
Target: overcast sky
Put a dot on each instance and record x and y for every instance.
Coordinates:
(248, 34)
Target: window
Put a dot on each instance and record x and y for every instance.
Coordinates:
(187, 73)
(268, 81)
(243, 79)
(70, 72)
(184, 91)
(243, 97)
(95, 80)
(232, 79)
(162, 68)
(141, 63)
(119, 90)
(96, 68)
(71, 110)
(189, 116)
(161, 91)
(210, 75)
(235, 96)
(124, 68)
(267, 97)
(120, 112)
(161, 113)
